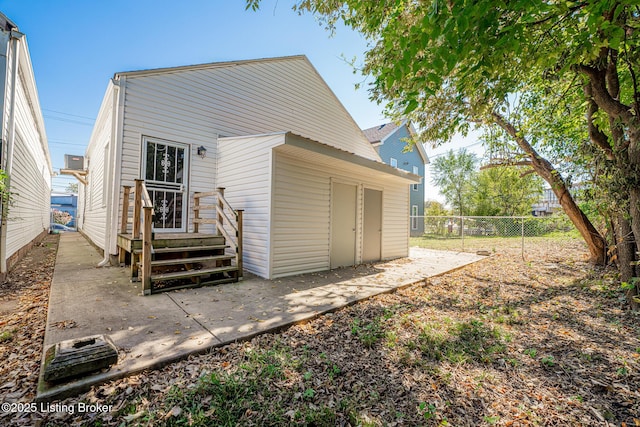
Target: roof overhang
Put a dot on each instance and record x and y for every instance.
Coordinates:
(320, 153)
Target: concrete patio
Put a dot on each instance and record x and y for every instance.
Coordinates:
(152, 331)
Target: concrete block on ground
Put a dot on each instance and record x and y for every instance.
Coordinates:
(74, 358)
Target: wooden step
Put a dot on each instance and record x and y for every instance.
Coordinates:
(162, 240)
(192, 273)
(184, 249)
(198, 285)
(193, 260)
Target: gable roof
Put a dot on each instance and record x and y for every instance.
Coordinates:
(377, 135)
(255, 96)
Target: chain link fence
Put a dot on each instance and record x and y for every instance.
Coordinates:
(514, 235)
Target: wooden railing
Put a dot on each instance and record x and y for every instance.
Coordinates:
(143, 213)
(227, 217)
(228, 223)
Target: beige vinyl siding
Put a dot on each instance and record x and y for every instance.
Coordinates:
(302, 209)
(244, 169)
(91, 198)
(395, 221)
(30, 178)
(301, 213)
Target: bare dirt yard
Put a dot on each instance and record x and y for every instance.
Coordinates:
(505, 342)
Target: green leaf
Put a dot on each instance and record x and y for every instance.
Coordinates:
(463, 23)
(411, 106)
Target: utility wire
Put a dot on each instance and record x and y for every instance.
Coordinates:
(69, 114)
(67, 120)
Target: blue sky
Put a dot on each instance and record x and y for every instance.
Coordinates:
(76, 47)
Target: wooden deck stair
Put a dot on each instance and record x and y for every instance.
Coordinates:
(181, 260)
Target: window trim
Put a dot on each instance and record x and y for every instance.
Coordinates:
(393, 162)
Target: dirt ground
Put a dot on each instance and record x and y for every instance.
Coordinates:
(546, 341)
(24, 297)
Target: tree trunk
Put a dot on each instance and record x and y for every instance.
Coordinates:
(594, 240)
(625, 249)
(592, 237)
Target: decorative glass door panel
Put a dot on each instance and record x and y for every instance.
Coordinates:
(165, 173)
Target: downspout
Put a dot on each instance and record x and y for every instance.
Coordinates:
(110, 165)
(14, 49)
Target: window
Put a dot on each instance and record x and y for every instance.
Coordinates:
(414, 217)
(393, 162)
(416, 171)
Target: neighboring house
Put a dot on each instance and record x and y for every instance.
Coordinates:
(390, 141)
(314, 192)
(24, 151)
(66, 203)
(547, 205)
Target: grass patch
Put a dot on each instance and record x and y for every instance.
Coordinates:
(454, 242)
(231, 398)
(459, 342)
(368, 333)
(7, 335)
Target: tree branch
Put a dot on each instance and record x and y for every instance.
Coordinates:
(602, 97)
(506, 163)
(598, 137)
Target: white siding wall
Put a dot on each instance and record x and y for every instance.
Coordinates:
(301, 214)
(244, 169)
(163, 108)
(395, 221)
(30, 178)
(195, 105)
(249, 98)
(92, 206)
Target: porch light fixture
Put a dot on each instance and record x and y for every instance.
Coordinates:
(202, 152)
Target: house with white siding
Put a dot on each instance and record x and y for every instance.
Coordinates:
(314, 193)
(24, 153)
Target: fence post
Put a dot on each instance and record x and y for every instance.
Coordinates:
(462, 228)
(522, 248)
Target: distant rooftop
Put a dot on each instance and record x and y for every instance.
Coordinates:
(378, 133)
(6, 24)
